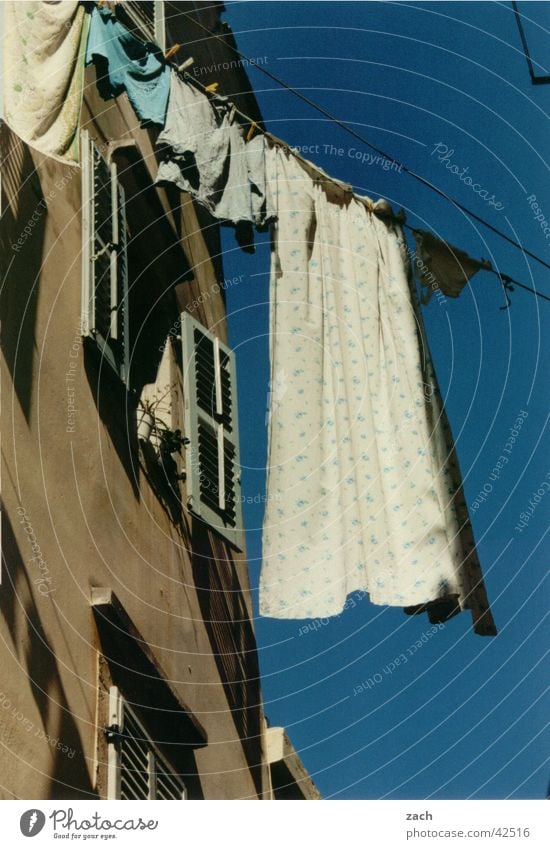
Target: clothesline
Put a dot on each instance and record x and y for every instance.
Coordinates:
(506, 280)
(364, 490)
(106, 42)
(378, 150)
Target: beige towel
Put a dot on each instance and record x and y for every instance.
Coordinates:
(43, 74)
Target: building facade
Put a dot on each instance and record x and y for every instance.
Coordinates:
(129, 663)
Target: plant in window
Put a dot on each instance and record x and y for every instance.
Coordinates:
(170, 444)
(167, 441)
(145, 420)
(149, 425)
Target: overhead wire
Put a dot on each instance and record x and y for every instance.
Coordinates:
(365, 141)
(505, 279)
(536, 80)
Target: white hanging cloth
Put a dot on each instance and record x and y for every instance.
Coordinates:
(43, 74)
(364, 491)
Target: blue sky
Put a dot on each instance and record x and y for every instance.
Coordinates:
(465, 717)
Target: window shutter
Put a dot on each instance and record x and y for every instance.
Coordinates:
(4, 153)
(213, 474)
(167, 785)
(105, 263)
(120, 305)
(136, 769)
(113, 757)
(135, 763)
(146, 20)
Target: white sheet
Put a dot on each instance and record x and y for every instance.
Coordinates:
(363, 487)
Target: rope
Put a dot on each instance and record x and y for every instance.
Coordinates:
(364, 141)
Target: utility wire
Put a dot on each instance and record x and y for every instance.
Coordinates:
(364, 141)
(505, 279)
(534, 79)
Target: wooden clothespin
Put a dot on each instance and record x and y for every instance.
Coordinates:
(213, 87)
(172, 51)
(232, 113)
(251, 130)
(184, 65)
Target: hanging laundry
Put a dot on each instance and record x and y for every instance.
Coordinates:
(43, 74)
(125, 63)
(441, 266)
(204, 152)
(364, 490)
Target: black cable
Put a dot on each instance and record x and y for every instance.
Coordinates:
(378, 150)
(534, 79)
(505, 279)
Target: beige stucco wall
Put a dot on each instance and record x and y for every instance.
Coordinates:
(80, 501)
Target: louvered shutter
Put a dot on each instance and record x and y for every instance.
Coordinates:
(167, 784)
(135, 766)
(4, 153)
(213, 468)
(137, 770)
(145, 19)
(105, 264)
(113, 754)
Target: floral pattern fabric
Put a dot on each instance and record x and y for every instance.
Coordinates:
(364, 491)
(43, 74)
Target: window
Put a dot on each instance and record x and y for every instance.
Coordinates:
(104, 258)
(136, 769)
(213, 470)
(3, 156)
(145, 20)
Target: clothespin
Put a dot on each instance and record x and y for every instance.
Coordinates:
(232, 113)
(251, 130)
(184, 65)
(213, 87)
(506, 284)
(172, 51)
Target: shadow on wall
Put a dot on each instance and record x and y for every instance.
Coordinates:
(232, 639)
(21, 245)
(39, 673)
(124, 663)
(156, 263)
(116, 409)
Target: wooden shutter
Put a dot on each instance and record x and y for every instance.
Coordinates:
(145, 20)
(213, 468)
(137, 770)
(167, 784)
(105, 262)
(4, 153)
(135, 763)
(113, 755)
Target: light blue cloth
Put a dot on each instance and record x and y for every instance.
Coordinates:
(204, 153)
(124, 63)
